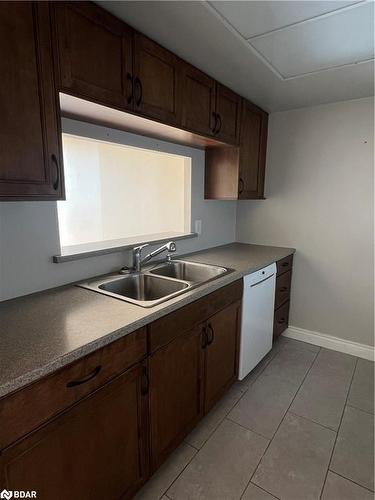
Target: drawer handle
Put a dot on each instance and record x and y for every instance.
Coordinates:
(88, 377)
(212, 335)
(281, 321)
(285, 264)
(283, 289)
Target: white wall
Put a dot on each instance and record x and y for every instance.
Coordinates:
(29, 231)
(319, 190)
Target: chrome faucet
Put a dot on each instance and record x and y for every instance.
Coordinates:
(138, 261)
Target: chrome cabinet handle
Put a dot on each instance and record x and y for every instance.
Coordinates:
(88, 377)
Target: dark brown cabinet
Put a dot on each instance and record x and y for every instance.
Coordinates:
(96, 450)
(176, 372)
(237, 173)
(282, 295)
(30, 159)
(253, 144)
(198, 101)
(94, 54)
(156, 81)
(228, 112)
(222, 332)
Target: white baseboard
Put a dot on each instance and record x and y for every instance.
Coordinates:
(330, 342)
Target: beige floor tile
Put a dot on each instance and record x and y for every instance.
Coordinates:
(222, 468)
(168, 472)
(353, 456)
(295, 464)
(339, 488)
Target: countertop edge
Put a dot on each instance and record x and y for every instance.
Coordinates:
(195, 294)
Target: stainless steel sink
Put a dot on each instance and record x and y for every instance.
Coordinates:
(155, 285)
(141, 288)
(193, 272)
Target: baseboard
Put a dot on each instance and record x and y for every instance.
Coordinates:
(330, 342)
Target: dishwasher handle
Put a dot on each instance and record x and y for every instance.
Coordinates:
(262, 281)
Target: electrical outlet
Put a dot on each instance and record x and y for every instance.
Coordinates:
(198, 226)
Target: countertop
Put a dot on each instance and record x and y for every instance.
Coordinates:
(44, 331)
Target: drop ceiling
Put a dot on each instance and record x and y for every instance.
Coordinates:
(279, 54)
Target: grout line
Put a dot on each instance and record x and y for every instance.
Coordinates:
(313, 421)
(278, 427)
(360, 409)
(350, 480)
(247, 429)
(260, 487)
(338, 429)
(178, 475)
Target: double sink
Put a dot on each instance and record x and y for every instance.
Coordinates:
(156, 284)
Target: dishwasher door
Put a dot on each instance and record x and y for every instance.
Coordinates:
(257, 318)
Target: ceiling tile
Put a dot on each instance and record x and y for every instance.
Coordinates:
(342, 38)
(254, 18)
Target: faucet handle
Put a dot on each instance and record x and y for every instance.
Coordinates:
(138, 249)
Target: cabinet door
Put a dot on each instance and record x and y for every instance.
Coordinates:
(30, 139)
(95, 53)
(198, 101)
(175, 392)
(96, 450)
(157, 82)
(253, 145)
(222, 352)
(228, 111)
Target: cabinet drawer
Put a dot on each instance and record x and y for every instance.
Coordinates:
(281, 320)
(284, 265)
(49, 396)
(282, 293)
(169, 327)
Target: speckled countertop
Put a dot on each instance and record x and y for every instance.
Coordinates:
(42, 332)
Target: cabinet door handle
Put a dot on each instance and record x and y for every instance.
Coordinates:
(214, 116)
(212, 336)
(220, 123)
(130, 79)
(204, 339)
(94, 373)
(145, 382)
(55, 185)
(281, 321)
(139, 87)
(241, 186)
(283, 289)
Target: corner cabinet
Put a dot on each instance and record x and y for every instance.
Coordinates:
(31, 158)
(237, 173)
(282, 295)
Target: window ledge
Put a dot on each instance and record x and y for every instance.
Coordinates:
(85, 250)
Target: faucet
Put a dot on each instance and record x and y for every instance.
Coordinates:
(169, 247)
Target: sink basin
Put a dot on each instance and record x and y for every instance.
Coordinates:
(193, 272)
(155, 285)
(141, 289)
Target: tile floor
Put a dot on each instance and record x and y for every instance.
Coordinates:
(299, 427)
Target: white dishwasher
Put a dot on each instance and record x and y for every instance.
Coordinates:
(257, 318)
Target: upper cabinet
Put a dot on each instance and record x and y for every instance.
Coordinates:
(94, 54)
(253, 145)
(198, 101)
(238, 173)
(30, 158)
(156, 81)
(227, 115)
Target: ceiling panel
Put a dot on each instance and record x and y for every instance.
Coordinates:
(338, 39)
(255, 18)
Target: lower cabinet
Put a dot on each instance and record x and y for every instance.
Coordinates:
(188, 376)
(101, 425)
(95, 450)
(176, 372)
(282, 295)
(221, 353)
